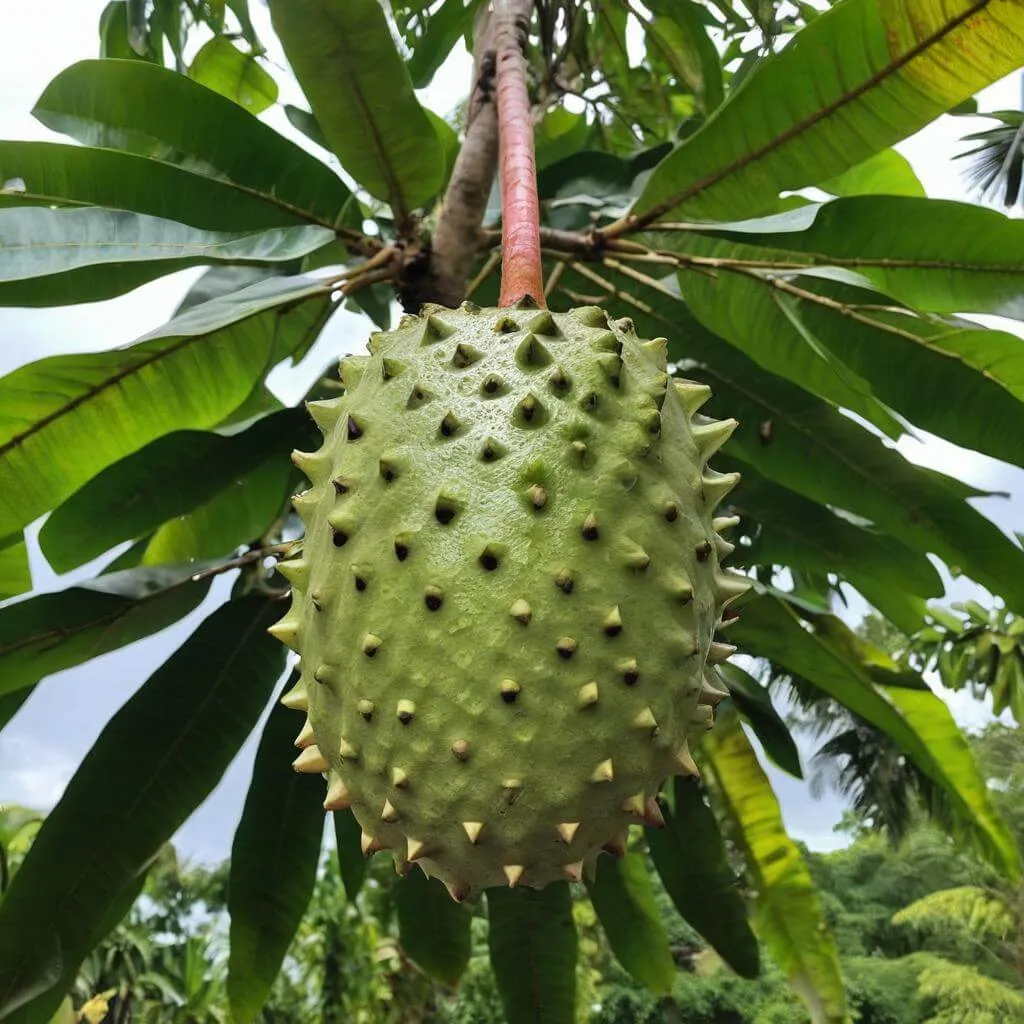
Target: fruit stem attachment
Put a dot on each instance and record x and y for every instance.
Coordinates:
(521, 267)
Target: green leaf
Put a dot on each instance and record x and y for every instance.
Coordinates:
(691, 860)
(789, 916)
(153, 112)
(351, 862)
(66, 418)
(274, 860)
(886, 173)
(754, 703)
(821, 649)
(52, 632)
(10, 705)
(15, 575)
(559, 135)
(156, 760)
(624, 902)
(222, 67)
(57, 257)
(359, 90)
(804, 534)
(131, 498)
(306, 123)
(802, 443)
(240, 514)
(901, 245)
(679, 34)
(432, 927)
(57, 174)
(532, 942)
(857, 79)
(453, 19)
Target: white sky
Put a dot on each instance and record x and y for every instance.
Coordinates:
(40, 749)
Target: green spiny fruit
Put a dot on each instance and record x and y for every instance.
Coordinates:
(506, 598)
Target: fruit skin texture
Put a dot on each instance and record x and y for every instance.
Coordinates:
(506, 596)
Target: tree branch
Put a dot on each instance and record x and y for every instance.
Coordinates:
(457, 236)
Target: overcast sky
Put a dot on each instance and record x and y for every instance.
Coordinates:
(53, 731)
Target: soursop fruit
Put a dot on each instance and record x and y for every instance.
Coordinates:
(507, 594)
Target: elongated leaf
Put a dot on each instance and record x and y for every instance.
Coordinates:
(953, 378)
(624, 902)
(691, 859)
(65, 418)
(721, 304)
(154, 763)
(359, 89)
(52, 632)
(805, 535)
(55, 257)
(901, 245)
(822, 650)
(132, 497)
(887, 173)
(273, 865)
(58, 174)
(755, 705)
(796, 440)
(857, 79)
(532, 942)
(432, 927)
(789, 917)
(680, 36)
(240, 514)
(222, 67)
(147, 110)
(444, 28)
(15, 576)
(351, 862)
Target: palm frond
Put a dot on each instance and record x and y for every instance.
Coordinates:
(995, 166)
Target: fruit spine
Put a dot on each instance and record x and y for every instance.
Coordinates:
(506, 599)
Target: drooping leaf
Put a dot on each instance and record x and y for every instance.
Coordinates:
(804, 534)
(273, 865)
(150, 111)
(51, 632)
(351, 862)
(788, 914)
(154, 763)
(15, 575)
(624, 902)
(240, 514)
(432, 927)
(57, 257)
(444, 28)
(170, 477)
(887, 173)
(56, 174)
(360, 92)
(691, 859)
(754, 703)
(679, 33)
(821, 649)
(222, 67)
(65, 418)
(857, 79)
(532, 941)
(728, 303)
